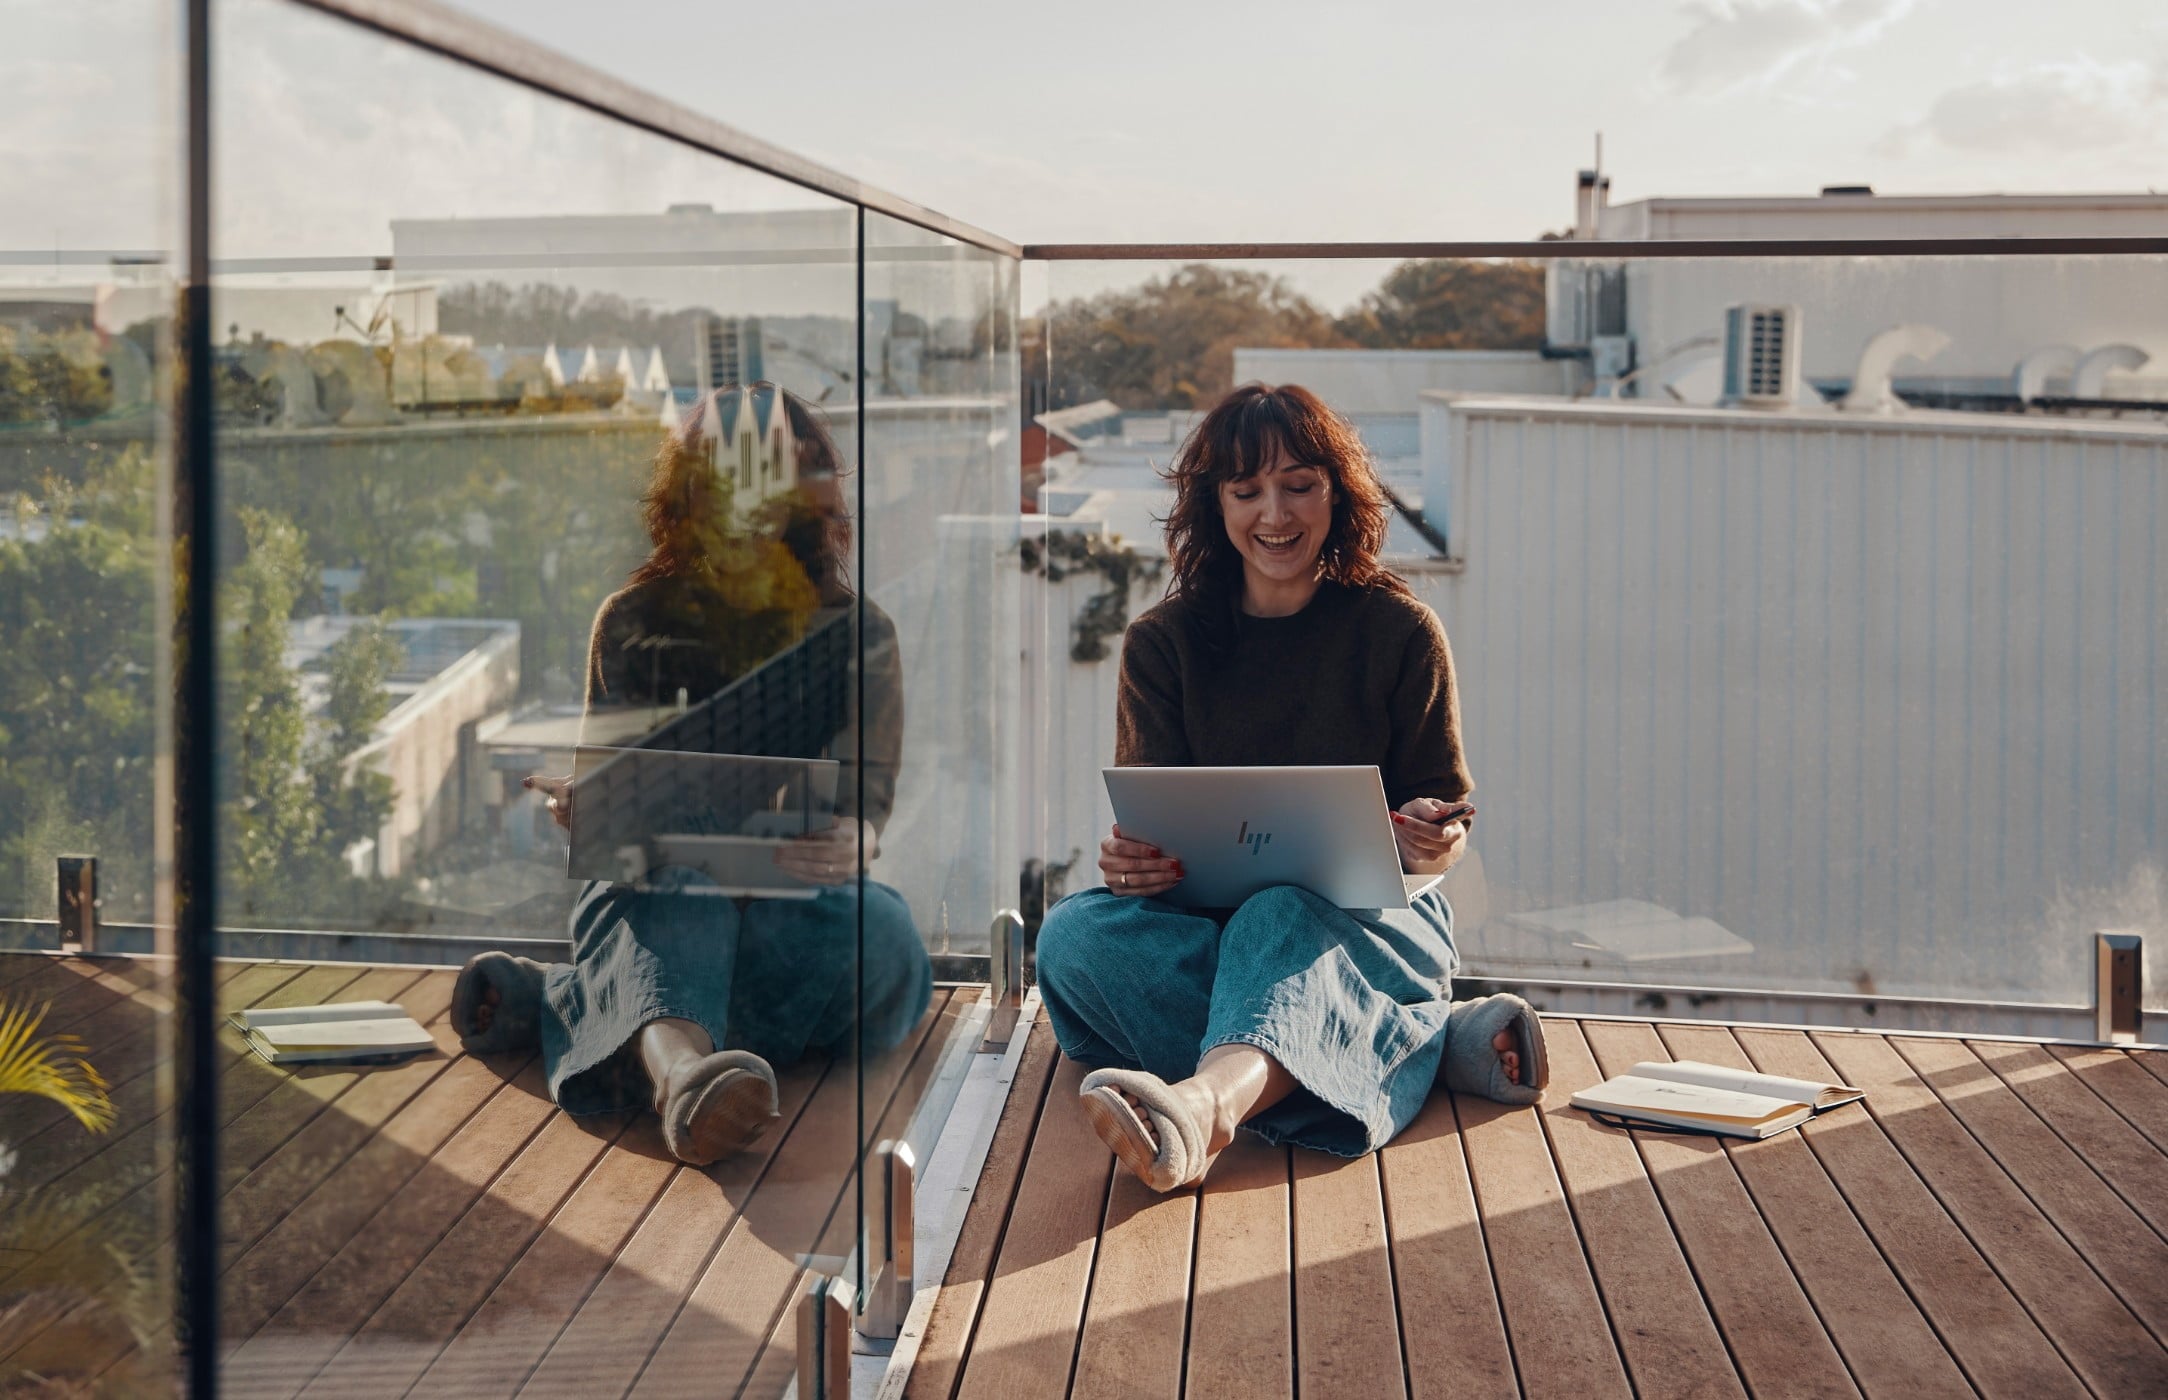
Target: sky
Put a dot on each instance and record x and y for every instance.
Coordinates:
(1411, 119)
(1117, 121)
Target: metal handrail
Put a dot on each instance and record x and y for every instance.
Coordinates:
(478, 44)
(1552, 249)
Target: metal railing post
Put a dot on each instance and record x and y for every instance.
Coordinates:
(2118, 986)
(78, 904)
(824, 1338)
(889, 1300)
(1005, 976)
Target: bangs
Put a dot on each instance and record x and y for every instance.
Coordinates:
(1259, 425)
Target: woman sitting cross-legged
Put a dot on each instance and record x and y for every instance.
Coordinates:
(680, 995)
(1282, 641)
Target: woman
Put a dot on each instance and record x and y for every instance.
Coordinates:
(676, 995)
(1282, 641)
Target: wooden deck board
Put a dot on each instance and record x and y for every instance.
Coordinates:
(1561, 1337)
(806, 1208)
(1888, 1345)
(2132, 1165)
(1347, 1330)
(2122, 1085)
(1440, 1266)
(1991, 1221)
(2095, 1332)
(1777, 1340)
(1026, 1338)
(2121, 1248)
(1669, 1341)
(955, 1316)
(1241, 1329)
(1982, 1324)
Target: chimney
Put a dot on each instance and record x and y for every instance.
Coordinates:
(1586, 194)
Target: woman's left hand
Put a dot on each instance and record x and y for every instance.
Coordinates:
(1428, 846)
(829, 857)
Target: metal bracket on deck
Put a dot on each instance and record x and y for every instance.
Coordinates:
(2118, 985)
(78, 905)
(889, 1300)
(824, 1338)
(1005, 974)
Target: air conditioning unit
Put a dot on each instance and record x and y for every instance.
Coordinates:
(1761, 356)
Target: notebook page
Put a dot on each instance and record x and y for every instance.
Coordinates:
(303, 1015)
(1709, 1076)
(388, 1033)
(1630, 1093)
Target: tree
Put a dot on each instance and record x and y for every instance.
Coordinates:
(353, 800)
(270, 809)
(1171, 342)
(77, 642)
(1451, 304)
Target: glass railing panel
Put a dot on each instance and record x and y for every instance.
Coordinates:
(538, 452)
(940, 599)
(1836, 678)
(88, 229)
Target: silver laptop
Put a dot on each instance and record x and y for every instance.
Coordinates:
(1241, 830)
(725, 815)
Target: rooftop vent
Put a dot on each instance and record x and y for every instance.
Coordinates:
(1761, 356)
(1832, 190)
(2030, 379)
(2089, 379)
(1871, 392)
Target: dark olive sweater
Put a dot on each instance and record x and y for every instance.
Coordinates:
(1358, 676)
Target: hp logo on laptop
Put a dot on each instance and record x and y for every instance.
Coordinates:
(1255, 840)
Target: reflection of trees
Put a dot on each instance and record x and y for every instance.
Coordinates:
(1170, 343)
(59, 377)
(77, 706)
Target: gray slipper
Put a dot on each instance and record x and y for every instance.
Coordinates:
(718, 1107)
(515, 1023)
(1472, 1065)
(1166, 1156)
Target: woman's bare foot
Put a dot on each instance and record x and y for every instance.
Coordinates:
(1507, 1054)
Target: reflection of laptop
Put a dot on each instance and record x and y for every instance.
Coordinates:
(725, 815)
(1240, 830)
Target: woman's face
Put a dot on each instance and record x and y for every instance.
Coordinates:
(1278, 519)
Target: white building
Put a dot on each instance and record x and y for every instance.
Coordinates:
(1642, 314)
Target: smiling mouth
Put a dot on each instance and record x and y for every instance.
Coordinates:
(1278, 544)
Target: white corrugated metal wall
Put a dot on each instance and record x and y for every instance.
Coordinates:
(1879, 696)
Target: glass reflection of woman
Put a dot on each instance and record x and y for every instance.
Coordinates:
(1284, 641)
(674, 996)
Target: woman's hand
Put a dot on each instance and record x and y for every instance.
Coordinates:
(1427, 845)
(1136, 867)
(556, 795)
(828, 857)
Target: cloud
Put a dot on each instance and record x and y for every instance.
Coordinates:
(2076, 105)
(1734, 46)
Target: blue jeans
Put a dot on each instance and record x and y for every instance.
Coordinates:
(778, 977)
(1352, 1003)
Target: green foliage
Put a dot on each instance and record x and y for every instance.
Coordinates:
(77, 594)
(271, 812)
(1451, 304)
(1171, 342)
(1106, 613)
(51, 1067)
(353, 800)
(54, 378)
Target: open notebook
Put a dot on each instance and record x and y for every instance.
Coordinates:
(355, 1032)
(1711, 1099)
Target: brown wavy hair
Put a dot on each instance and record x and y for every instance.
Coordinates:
(687, 503)
(1233, 443)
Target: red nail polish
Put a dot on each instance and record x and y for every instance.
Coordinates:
(1399, 820)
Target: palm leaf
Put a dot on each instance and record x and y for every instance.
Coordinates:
(51, 1067)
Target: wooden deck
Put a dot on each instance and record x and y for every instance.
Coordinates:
(438, 1227)
(1991, 1222)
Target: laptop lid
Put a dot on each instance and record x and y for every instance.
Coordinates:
(1241, 830)
(635, 810)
